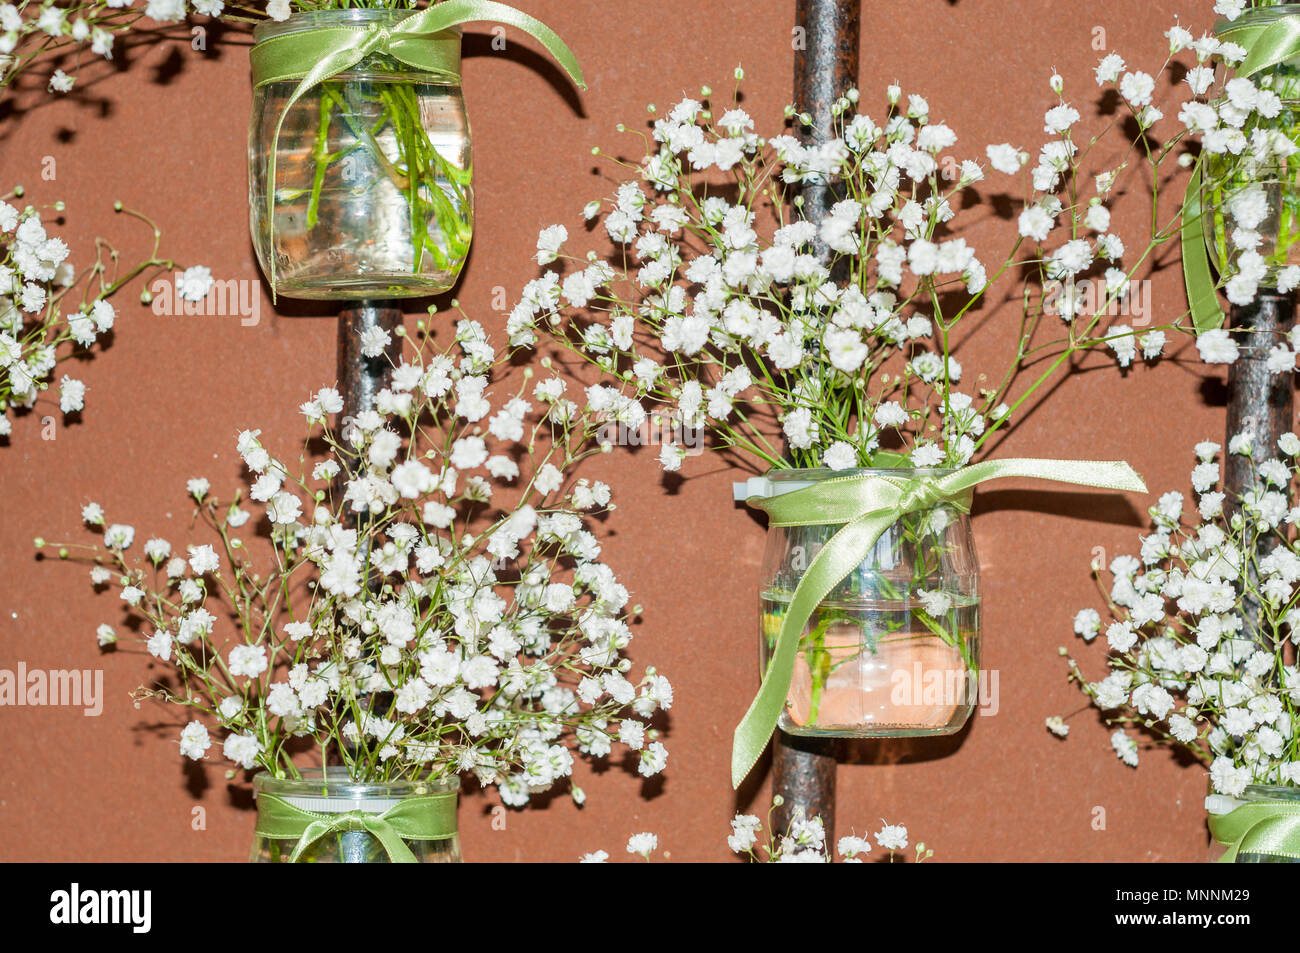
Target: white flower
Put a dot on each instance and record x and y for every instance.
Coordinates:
(203, 559)
(244, 750)
(1060, 118)
(1087, 623)
(840, 456)
(643, 844)
(892, 837)
(195, 282)
(194, 740)
(1126, 748)
(1216, 347)
(1035, 223)
(652, 760)
(282, 509)
(249, 660)
(1005, 158)
(1108, 70)
(548, 243)
(549, 479)
(412, 479)
(1227, 778)
(374, 341)
(744, 832)
(632, 734)
(160, 645)
(1137, 88)
(936, 602)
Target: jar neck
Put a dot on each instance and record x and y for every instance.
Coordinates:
(1271, 792)
(1257, 16)
(316, 19)
(334, 785)
(776, 474)
(789, 479)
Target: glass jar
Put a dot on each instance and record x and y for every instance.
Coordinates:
(893, 651)
(373, 194)
(1227, 175)
(333, 792)
(1254, 793)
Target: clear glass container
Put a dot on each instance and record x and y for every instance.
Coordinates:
(893, 651)
(1227, 175)
(333, 792)
(373, 191)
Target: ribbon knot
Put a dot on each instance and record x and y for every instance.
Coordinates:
(920, 494)
(376, 39)
(425, 817)
(353, 821)
(865, 506)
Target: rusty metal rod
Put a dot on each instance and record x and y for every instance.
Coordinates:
(1262, 405)
(361, 378)
(825, 67)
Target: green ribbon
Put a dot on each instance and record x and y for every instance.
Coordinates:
(1202, 298)
(424, 41)
(1267, 44)
(866, 505)
(426, 817)
(1258, 827)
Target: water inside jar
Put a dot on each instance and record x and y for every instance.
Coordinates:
(374, 194)
(880, 668)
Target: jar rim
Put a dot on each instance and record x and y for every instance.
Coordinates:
(826, 473)
(1257, 15)
(1278, 792)
(334, 783)
(310, 19)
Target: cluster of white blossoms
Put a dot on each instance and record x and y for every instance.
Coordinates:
(41, 323)
(1248, 137)
(803, 843)
(30, 31)
(1188, 667)
(428, 601)
(33, 272)
(717, 308)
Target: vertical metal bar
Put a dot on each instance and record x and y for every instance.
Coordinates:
(825, 67)
(1261, 405)
(361, 378)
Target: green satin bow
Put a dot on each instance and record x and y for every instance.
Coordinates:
(1266, 44)
(424, 40)
(1259, 827)
(427, 817)
(866, 505)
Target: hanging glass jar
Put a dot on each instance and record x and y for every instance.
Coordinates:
(325, 818)
(373, 193)
(893, 650)
(1239, 175)
(359, 157)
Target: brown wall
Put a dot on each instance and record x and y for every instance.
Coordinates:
(168, 396)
